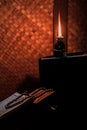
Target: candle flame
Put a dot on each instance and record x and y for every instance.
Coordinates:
(59, 26)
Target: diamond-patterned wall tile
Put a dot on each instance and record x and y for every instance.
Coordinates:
(77, 23)
(26, 34)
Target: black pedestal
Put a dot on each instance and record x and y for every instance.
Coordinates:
(63, 71)
(67, 75)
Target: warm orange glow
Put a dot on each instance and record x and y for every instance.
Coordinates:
(59, 27)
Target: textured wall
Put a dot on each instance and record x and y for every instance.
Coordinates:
(77, 25)
(26, 33)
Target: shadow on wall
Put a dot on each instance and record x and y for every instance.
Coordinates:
(7, 85)
(28, 84)
(7, 79)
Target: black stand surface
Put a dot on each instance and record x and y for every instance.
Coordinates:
(67, 76)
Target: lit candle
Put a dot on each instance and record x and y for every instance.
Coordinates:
(60, 36)
(59, 48)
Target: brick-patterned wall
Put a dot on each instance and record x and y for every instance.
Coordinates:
(77, 25)
(26, 33)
